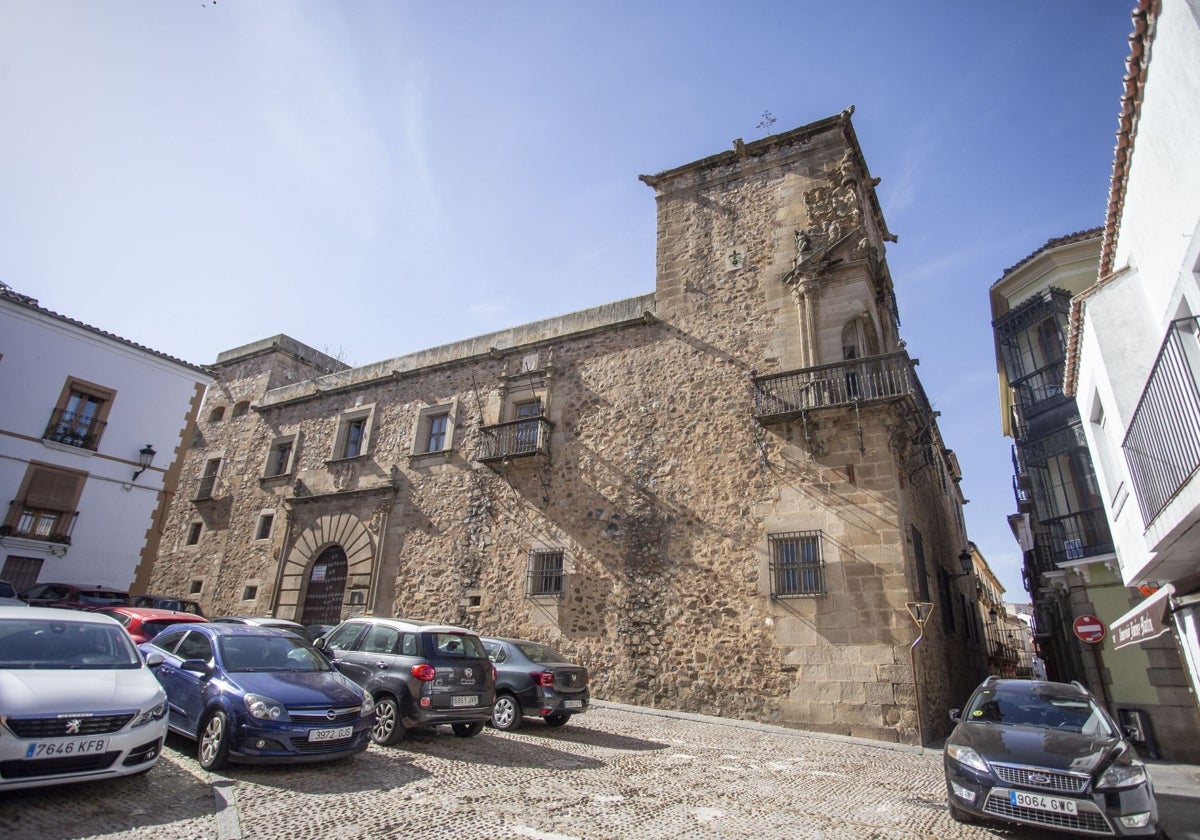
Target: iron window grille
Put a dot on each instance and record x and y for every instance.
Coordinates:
(546, 576)
(80, 428)
(796, 565)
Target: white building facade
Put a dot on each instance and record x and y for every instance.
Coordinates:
(91, 430)
(1134, 355)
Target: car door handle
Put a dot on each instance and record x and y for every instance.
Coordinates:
(382, 666)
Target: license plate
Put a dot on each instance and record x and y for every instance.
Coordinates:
(54, 749)
(465, 700)
(572, 704)
(1020, 799)
(335, 734)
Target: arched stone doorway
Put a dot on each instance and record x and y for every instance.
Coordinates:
(355, 542)
(326, 588)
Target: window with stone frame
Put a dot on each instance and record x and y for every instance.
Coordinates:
(266, 521)
(208, 480)
(281, 458)
(435, 429)
(81, 414)
(547, 575)
(195, 529)
(46, 505)
(797, 567)
(354, 433)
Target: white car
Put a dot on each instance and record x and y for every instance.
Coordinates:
(77, 701)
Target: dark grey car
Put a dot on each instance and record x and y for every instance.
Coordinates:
(421, 674)
(536, 680)
(1046, 754)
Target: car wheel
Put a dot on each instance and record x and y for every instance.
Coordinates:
(556, 719)
(467, 730)
(506, 713)
(212, 747)
(388, 729)
(958, 814)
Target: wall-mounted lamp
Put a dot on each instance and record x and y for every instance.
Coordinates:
(145, 459)
(966, 561)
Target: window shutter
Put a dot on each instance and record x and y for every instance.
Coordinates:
(52, 490)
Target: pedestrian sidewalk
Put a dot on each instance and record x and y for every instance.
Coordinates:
(1175, 779)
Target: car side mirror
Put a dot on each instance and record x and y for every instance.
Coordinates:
(196, 666)
(956, 715)
(154, 659)
(319, 643)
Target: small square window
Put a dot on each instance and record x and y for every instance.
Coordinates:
(193, 534)
(249, 593)
(546, 573)
(195, 587)
(797, 569)
(265, 521)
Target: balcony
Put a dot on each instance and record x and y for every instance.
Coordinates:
(1072, 537)
(783, 396)
(523, 438)
(204, 488)
(43, 525)
(74, 429)
(1162, 446)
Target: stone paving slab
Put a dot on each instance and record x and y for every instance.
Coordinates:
(615, 772)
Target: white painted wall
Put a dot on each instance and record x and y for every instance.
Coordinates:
(153, 397)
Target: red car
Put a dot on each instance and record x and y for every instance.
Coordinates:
(144, 623)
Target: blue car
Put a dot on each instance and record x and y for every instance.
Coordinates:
(257, 695)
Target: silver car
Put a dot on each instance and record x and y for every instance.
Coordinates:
(77, 701)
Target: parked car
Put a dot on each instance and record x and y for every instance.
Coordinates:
(257, 695)
(73, 596)
(143, 623)
(1046, 754)
(164, 602)
(78, 701)
(293, 627)
(420, 674)
(536, 680)
(8, 596)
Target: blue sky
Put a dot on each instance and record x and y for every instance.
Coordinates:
(374, 178)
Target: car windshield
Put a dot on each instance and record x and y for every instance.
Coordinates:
(270, 653)
(1041, 710)
(541, 653)
(459, 644)
(50, 644)
(103, 599)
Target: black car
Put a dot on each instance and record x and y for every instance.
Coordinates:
(1046, 754)
(420, 674)
(536, 680)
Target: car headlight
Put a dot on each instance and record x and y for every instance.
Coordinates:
(967, 756)
(264, 708)
(150, 715)
(1125, 772)
(368, 704)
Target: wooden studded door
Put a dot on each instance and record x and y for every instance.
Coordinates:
(326, 588)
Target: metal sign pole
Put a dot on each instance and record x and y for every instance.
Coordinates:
(920, 612)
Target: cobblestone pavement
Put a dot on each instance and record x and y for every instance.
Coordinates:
(615, 772)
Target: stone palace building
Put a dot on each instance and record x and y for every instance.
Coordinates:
(723, 496)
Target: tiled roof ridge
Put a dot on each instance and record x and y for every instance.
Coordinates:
(1078, 236)
(8, 293)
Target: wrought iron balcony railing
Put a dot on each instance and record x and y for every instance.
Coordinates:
(515, 439)
(32, 523)
(1162, 445)
(1072, 537)
(869, 379)
(74, 429)
(204, 488)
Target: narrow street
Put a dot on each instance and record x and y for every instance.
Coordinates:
(616, 772)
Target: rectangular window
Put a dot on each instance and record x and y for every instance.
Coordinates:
(353, 434)
(81, 414)
(193, 534)
(195, 587)
(249, 593)
(546, 573)
(265, 521)
(527, 432)
(208, 481)
(46, 505)
(279, 462)
(919, 556)
(797, 569)
(435, 439)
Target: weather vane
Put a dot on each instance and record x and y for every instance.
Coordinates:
(768, 120)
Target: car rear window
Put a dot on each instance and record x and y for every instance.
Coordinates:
(153, 628)
(457, 645)
(541, 653)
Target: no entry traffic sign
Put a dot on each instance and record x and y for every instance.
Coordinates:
(1088, 628)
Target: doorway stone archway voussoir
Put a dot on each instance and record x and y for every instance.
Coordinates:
(340, 529)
